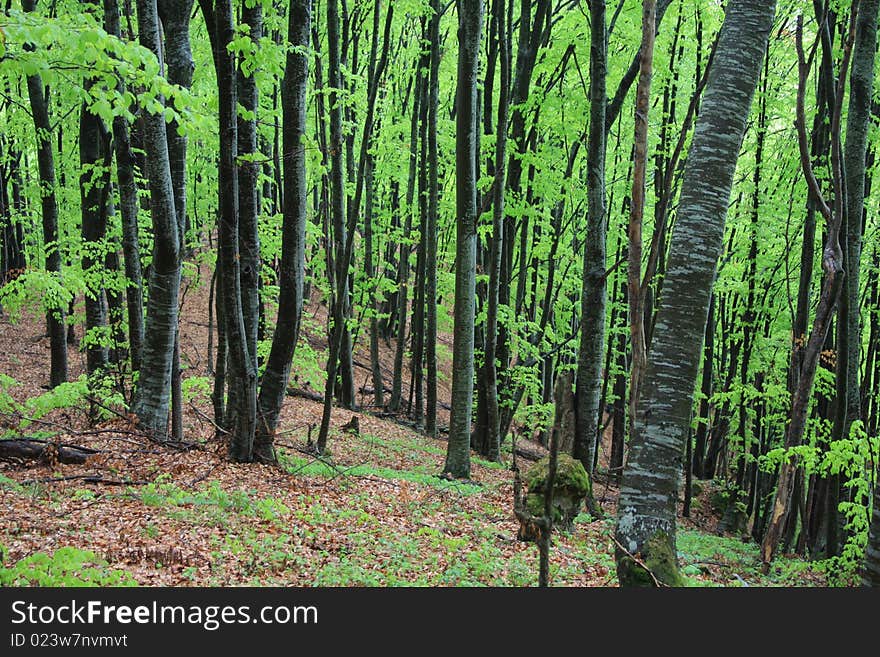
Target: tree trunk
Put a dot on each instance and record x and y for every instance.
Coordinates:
(55, 315)
(290, 296)
(94, 183)
(634, 271)
(241, 409)
(128, 208)
(594, 284)
(470, 19)
(832, 256)
(649, 491)
(431, 226)
(154, 383)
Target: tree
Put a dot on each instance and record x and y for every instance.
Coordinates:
(645, 533)
(154, 384)
(290, 298)
(593, 289)
(470, 20)
(39, 100)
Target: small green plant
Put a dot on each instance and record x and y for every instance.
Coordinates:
(67, 566)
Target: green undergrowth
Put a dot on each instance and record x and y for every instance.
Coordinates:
(314, 467)
(66, 566)
(736, 561)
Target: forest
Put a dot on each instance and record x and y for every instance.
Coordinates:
(439, 293)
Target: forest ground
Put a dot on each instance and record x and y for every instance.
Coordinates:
(373, 513)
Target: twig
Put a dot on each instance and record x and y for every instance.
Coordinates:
(641, 563)
(90, 479)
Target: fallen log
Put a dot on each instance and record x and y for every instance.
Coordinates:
(27, 449)
(305, 394)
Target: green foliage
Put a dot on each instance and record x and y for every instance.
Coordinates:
(67, 566)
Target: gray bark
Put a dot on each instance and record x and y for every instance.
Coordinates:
(154, 384)
(649, 490)
(858, 123)
(593, 291)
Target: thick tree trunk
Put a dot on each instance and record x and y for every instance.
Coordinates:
(470, 16)
(290, 298)
(649, 491)
(154, 383)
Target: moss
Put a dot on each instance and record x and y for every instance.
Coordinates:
(570, 487)
(659, 557)
(570, 476)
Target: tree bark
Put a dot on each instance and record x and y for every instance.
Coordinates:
(649, 491)
(470, 17)
(154, 383)
(128, 209)
(594, 283)
(290, 297)
(55, 314)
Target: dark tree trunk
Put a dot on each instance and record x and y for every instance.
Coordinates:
(431, 225)
(832, 255)
(290, 299)
(491, 441)
(342, 306)
(594, 284)
(94, 156)
(55, 315)
(175, 16)
(469, 32)
(649, 491)
(241, 411)
(248, 196)
(128, 207)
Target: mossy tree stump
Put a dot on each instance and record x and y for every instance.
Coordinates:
(570, 489)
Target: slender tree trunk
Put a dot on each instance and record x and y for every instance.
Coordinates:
(55, 315)
(290, 298)
(241, 410)
(634, 276)
(403, 263)
(645, 536)
(175, 18)
(431, 225)
(594, 284)
(248, 196)
(128, 209)
(342, 306)
(470, 15)
(491, 442)
(832, 259)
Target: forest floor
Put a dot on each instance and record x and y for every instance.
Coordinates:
(372, 513)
